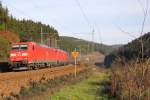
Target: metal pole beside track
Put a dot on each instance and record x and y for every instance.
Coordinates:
(41, 35)
(75, 65)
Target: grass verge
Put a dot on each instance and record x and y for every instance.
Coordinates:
(96, 87)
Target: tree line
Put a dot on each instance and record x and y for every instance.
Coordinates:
(130, 51)
(28, 30)
(15, 30)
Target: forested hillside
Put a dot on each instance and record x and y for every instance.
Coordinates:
(15, 30)
(70, 43)
(27, 29)
(130, 51)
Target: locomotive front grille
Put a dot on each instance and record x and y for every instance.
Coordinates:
(17, 64)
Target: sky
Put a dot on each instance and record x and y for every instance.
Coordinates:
(108, 20)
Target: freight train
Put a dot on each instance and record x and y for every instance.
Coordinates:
(30, 55)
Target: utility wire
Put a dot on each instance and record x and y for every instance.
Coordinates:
(142, 7)
(88, 22)
(99, 31)
(145, 16)
(145, 11)
(83, 13)
(18, 10)
(125, 32)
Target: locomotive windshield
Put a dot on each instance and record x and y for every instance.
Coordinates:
(20, 47)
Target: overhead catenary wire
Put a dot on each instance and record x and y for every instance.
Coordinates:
(18, 10)
(99, 31)
(142, 7)
(125, 32)
(83, 13)
(26, 15)
(145, 11)
(88, 22)
(85, 17)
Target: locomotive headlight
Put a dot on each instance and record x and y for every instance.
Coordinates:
(12, 54)
(24, 54)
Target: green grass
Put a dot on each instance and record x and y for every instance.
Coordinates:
(89, 89)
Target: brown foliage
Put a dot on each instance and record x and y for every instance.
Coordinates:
(131, 81)
(9, 36)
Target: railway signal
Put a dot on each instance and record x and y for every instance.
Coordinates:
(75, 55)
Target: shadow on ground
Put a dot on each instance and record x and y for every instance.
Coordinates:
(4, 67)
(99, 64)
(103, 90)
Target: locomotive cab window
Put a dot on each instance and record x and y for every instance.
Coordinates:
(20, 47)
(15, 47)
(23, 46)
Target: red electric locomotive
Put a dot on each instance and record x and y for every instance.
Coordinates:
(29, 55)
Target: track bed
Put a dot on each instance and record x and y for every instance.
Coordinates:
(13, 81)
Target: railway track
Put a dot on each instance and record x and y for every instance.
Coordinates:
(13, 81)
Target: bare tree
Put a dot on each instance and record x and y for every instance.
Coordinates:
(145, 13)
(131, 81)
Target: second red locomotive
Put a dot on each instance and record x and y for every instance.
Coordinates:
(29, 55)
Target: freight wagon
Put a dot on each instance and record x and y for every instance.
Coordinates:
(30, 55)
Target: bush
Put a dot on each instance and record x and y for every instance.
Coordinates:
(131, 81)
(36, 87)
(52, 85)
(24, 91)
